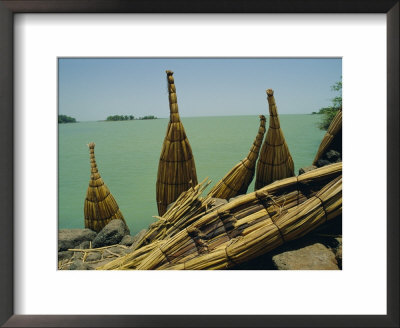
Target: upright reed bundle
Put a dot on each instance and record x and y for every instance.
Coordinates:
(275, 161)
(100, 206)
(334, 129)
(176, 169)
(237, 180)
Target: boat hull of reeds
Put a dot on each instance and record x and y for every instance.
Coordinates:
(176, 169)
(246, 227)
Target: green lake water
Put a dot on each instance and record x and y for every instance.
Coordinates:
(127, 154)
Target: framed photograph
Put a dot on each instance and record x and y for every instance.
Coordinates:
(58, 52)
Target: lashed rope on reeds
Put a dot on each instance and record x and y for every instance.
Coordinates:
(275, 161)
(255, 223)
(238, 179)
(100, 206)
(176, 169)
(334, 128)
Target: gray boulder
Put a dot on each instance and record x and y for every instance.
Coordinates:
(127, 240)
(78, 256)
(93, 256)
(65, 255)
(111, 234)
(71, 238)
(79, 265)
(115, 250)
(333, 156)
(322, 162)
(312, 257)
(84, 245)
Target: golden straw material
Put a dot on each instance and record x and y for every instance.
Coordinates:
(176, 169)
(100, 206)
(334, 129)
(244, 236)
(132, 260)
(250, 221)
(269, 233)
(185, 210)
(275, 161)
(238, 179)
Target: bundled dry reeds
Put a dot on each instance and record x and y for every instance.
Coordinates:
(270, 231)
(238, 179)
(227, 237)
(176, 169)
(100, 206)
(334, 129)
(246, 227)
(275, 161)
(186, 209)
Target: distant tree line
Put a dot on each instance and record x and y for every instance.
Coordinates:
(148, 117)
(129, 118)
(120, 118)
(66, 119)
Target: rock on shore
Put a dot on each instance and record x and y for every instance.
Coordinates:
(311, 257)
(111, 234)
(71, 238)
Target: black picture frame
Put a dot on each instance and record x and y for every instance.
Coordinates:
(10, 7)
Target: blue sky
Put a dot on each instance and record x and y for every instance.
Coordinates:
(91, 89)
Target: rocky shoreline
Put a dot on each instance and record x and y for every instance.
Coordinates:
(84, 249)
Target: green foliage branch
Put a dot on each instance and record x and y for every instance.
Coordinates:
(330, 112)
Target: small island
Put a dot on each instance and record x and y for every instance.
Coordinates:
(120, 118)
(129, 118)
(66, 119)
(148, 117)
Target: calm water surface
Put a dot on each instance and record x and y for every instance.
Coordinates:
(127, 154)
